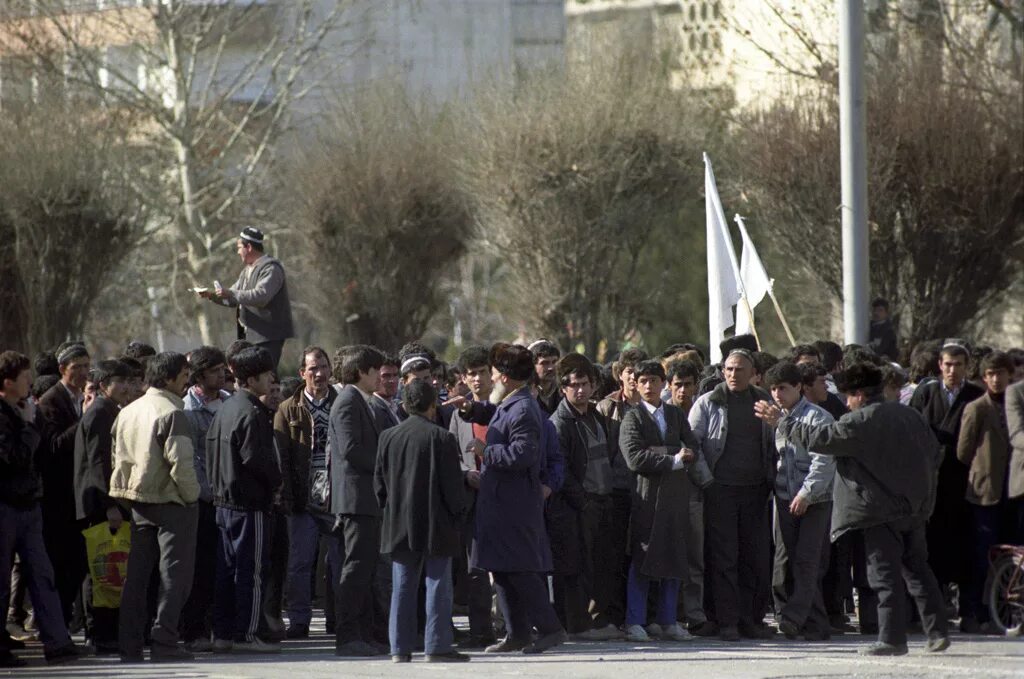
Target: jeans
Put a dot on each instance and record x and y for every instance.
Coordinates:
(303, 538)
(406, 571)
(637, 587)
(163, 538)
(21, 533)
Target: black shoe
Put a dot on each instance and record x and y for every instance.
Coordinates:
(704, 629)
(882, 648)
(869, 630)
(508, 645)
(8, 659)
(64, 654)
(169, 653)
(402, 657)
(970, 626)
(297, 631)
(788, 627)
(937, 643)
(547, 641)
(10, 643)
(816, 635)
(473, 641)
(759, 632)
(450, 656)
(357, 649)
(729, 634)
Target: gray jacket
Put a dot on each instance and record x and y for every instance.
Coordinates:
(200, 415)
(801, 471)
(709, 420)
(261, 295)
(1015, 424)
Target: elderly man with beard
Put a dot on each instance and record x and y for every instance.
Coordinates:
(511, 540)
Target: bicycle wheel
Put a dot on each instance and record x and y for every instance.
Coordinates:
(1006, 593)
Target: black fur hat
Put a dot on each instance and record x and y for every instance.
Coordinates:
(513, 360)
(859, 376)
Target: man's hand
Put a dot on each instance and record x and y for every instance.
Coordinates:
(768, 412)
(90, 398)
(476, 447)
(799, 505)
(222, 293)
(473, 479)
(460, 403)
(545, 491)
(686, 455)
(114, 518)
(205, 294)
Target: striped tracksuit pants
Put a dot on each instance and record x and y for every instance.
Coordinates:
(242, 569)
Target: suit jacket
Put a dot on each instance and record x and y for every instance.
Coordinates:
(1015, 425)
(660, 516)
(353, 435)
(56, 460)
(418, 482)
(984, 446)
(94, 460)
(930, 400)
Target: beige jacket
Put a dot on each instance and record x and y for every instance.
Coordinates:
(984, 446)
(153, 454)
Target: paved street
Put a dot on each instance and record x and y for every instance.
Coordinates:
(975, 657)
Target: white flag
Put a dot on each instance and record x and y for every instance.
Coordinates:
(724, 287)
(754, 278)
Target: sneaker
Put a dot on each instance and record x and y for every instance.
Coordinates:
(66, 653)
(297, 631)
(676, 632)
(507, 645)
(636, 633)
(654, 630)
(450, 656)
(223, 645)
(937, 643)
(729, 634)
(199, 646)
(257, 645)
(546, 642)
(704, 629)
(882, 648)
(169, 653)
(401, 657)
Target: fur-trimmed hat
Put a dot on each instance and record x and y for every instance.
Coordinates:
(512, 360)
(859, 376)
(729, 344)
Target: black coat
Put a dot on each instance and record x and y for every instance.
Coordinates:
(19, 441)
(660, 514)
(56, 457)
(353, 433)
(419, 487)
(886, 464)
(882, 339)
(241, 456)
(94, 457)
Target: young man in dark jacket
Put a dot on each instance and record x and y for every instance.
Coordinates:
(21, 523)
(418, 482)
(886, 465)
(245, 477)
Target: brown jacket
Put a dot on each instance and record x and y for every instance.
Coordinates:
(984, 446)
(1015, 422)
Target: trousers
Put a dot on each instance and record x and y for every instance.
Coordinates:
(407, 568)
(801, 559)
(243, 563)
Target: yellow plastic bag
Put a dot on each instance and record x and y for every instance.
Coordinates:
(108, 562)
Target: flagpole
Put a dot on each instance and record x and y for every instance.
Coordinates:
(750, 317)
(785, 325)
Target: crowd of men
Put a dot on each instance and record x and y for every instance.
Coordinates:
(656, 497)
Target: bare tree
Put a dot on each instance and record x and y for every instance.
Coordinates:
(376, 196)
(572, 175)
(212, 84)
(68, 215)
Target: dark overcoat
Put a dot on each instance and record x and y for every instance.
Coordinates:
(56, 456)
(94, 460)
(510, 534)
(353, 434)
(418, 481)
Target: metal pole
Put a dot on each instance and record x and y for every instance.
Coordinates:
(853, 157)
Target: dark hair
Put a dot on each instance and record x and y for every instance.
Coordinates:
(353, 361)
(628, 359)
(950, 349)
(679, 348)
(866, 377)
(251, 362)
(45, 363)
(411, 348)
(804, 350)
(831, 354)
(70, 352)
(605, 381)
(418, 395)
(880, 302)
(810, 372)
(290, 385)
(452, 375)
(202, 359)
(473, 357)
(12, 364)
(42, 383)
(682, 369)
(392, 360)
(997, 360)
(650, 368)
(135, 367)
(1017, 355)
(893, 376)
(512, 360)
(784, 372)
(104, 372)
(763, 362)
(235, 347)
(164, 367)
(543, 348)
(978, 354)
(137, 349)
(575, 365)
(313, 349)
(859, 354)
